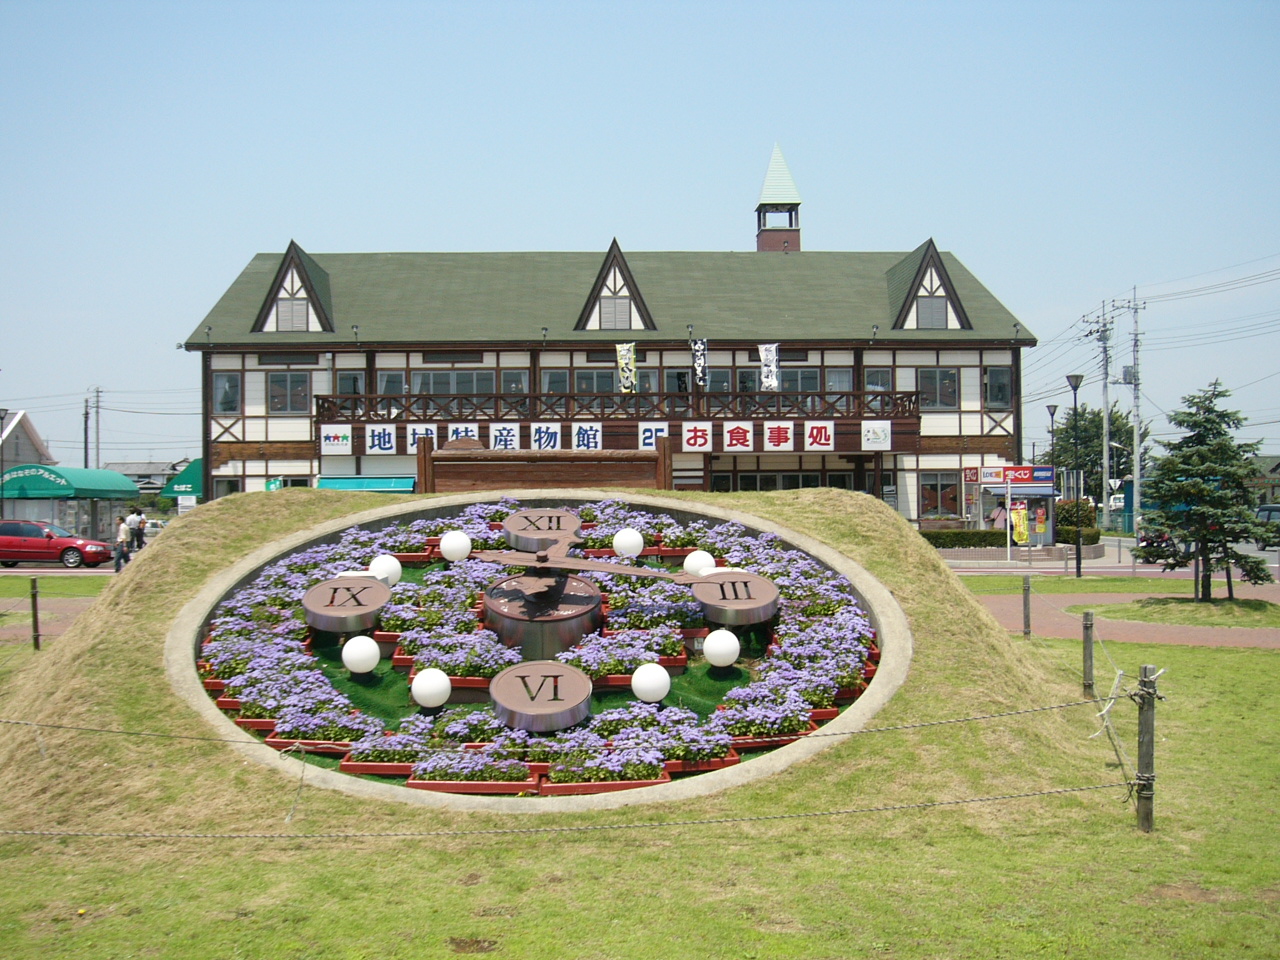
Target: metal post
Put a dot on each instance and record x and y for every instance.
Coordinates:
(1073, 381)
(1026, 607)
(35, 613)
(1195, 578)
(1088, 654)
(1146, 791)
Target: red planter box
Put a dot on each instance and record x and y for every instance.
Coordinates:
(702, 766)
(768, 743)
(873, 653)
(400, 659)
(381, 768)
(262, 724)
(548, 789)
(335, 748)
(227, 703)
(214, 684)
(869, 671)
(477, 786)
(823, 714)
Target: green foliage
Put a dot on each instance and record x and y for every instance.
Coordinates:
(1075, 513)
(1198, 494)
(945, 539)
(1067, 534)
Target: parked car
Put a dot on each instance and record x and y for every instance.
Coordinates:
(154, 527)
(1116, 502)
(34, 541)
(1269, 513)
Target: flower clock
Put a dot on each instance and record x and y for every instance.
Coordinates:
(539, 651)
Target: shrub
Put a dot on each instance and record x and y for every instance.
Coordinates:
(1071, 513)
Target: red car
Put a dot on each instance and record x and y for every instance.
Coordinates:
(34, 541)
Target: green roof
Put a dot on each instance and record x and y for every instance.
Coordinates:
(34, 481)
(779, 188)
(469, 298)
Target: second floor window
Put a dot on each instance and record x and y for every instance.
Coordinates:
(997, 388)
(288, 393)
(454, 382)
(350, 382)
(615, 313)
(226, 393)
(593, 381)
(939, 388)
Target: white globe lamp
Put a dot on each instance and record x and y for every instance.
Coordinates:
(455, 545)
(361, 654)
(431, 688)
(699, 563)
(650, 682)
(628, 542)
(386, 568)
(721, 648)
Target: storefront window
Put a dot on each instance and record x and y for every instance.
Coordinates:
(939, 494)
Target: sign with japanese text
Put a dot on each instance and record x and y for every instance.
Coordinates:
(696, 436)
(379, 438)
(544, 436)
(779, 435)
(737, 436)
(414, 432)
(460, 431)
(504, 436)
(588, 436)
(819, 435)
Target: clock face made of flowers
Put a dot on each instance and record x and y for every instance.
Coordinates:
(546, 611)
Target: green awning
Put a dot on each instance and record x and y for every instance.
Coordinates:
(368, 484)
(34, 481)
(188, 483)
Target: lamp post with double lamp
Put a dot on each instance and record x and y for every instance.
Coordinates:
(1073, 381)
(3, 413)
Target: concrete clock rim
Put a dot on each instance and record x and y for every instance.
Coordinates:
(892, 630)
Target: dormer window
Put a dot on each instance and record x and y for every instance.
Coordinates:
(931, 313)
(615, 313)
(291, 314)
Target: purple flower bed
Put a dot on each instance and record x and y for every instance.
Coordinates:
(297, 723)
(471, 765)
(599, 656)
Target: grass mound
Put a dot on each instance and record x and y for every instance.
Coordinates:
(990, 879)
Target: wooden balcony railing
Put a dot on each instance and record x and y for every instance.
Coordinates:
(412, 408)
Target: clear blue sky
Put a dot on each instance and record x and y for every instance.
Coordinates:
(1066, 152)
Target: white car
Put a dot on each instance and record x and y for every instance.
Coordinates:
(1116, 502)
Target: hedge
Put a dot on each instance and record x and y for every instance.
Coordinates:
(943, 539)
(1088, 536)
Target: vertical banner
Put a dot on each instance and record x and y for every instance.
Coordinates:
(699, 348)
(768, 366)
(1018, 514)
(626, 368)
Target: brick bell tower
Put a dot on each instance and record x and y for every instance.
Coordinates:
(779, 198)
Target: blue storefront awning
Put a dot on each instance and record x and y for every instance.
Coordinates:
(368, 484)
(1023, 489)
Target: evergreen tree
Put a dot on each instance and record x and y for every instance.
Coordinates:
(1198, 494)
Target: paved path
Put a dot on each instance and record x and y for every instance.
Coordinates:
(56, 613)
(1048, 619)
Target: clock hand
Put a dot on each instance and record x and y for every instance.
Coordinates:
(517, 558)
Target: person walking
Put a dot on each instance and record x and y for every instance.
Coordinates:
(124, 536)
(139, 529)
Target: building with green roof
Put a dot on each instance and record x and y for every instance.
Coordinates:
(888, 372)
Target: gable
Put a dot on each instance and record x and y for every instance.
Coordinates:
(931, 302)
(615, 302)
(297, 299)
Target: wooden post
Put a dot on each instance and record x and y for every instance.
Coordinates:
(1026, 607)
(35, 613)
(1146, 791)
(663, 480)
(1088, 654)
(426, 468)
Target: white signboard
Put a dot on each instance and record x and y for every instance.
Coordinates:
(588, 436)
(738, 436)
(414, 432)
(379, 438)
(877, 435)
(695, 436)
(779, 435)
(544, 436)
(335, 439)
(648, 432)
(504, 436)
(820, 435)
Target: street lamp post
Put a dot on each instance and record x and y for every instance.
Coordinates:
(3, 413)
(1073, 381)
(1053, 412)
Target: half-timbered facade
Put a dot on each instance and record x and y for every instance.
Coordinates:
(892, 372)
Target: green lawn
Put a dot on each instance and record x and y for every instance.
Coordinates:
(15, 584)
(982, 584)
(1186, 612)
(771, 869)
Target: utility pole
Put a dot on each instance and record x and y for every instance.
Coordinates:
(1137, 426)
(86, 433)
(97, 428)
(1104, 336)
